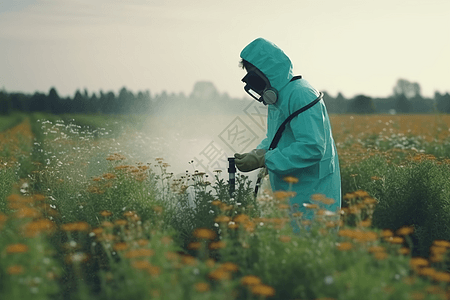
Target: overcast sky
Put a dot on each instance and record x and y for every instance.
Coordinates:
(351, 46)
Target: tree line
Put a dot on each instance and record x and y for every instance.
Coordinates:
(205, 98)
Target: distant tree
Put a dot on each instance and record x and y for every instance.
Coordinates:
(402, 104)
(39, 102)
(442, 102)
(54, 101)
(409, 89)
(5, 103)
(341, 103)
(361, 105)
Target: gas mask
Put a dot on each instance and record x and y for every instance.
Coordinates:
(258, 87)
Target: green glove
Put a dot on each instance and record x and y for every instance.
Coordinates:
(253, 160)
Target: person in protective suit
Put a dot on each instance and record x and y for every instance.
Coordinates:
(306, 148)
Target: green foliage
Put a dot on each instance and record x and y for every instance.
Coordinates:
(412, 193)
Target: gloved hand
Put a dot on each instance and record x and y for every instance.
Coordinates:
(253, 160)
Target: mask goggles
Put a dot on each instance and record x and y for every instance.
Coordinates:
(258, 87)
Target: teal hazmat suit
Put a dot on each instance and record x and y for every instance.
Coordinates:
(306, 150)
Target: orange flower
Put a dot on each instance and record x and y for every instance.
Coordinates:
(403, 251)
(189, 260)
(263, 290)
(106, 213)
(16, 248)
(27, 212)
(283, 206)
(216, 202)
(202, 287)
(15, 269)
(140, 264)
(441, 276)
(139, 253)
(38, 197)
(219, 274)
(120, 246)
(222, 219)
(380, 255)
(194, 245)
(250, 280)
(166, 240)
(34, 228)
(171, 255)
(405, 230)
(376, 249)
(129, 214)
(441, 243)
(229, 267)
(154, 270)
(241, 218)
(290, 179)
(281, 195)
(311, 206)
(120, 222)
(76, 226)
(395, 240)
(418, 262)
(345, 246)
(217, 245)
(285, 238)
(387, 233)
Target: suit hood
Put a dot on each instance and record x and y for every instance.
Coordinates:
(270, 60)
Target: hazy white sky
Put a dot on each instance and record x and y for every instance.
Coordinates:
(352, 46)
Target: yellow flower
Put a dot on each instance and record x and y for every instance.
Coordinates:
(426, 271)
(216, 202)
(141, 264)
(311, 206)
(120, 246)
(405, 230)
(441, 243)
(241, 218)
(139, 253)
(222, 219)
(380, 255)
(154, 270)
(105, 213)
(202, 287)
(263, 290)
(285, 238)
(15, 269)
(219, 274)
(27, 212)
(387, 233)
(250, 280)
(217, 245)
(76, 226)
(120, 222)
(229, 267)
(418, 262)
(395, 240)
(194, 245)
(345, 246)
(290, 179)
(441, 276)
(16, 248)
(376, 249)
(403, 251)
(204, 233)
(283, 206)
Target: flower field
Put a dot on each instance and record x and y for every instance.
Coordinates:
(80, 218)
